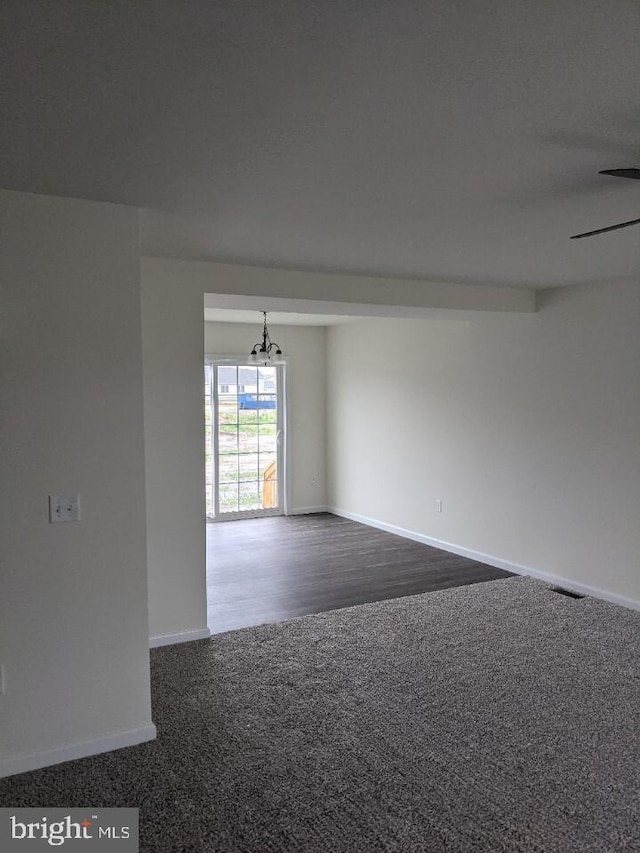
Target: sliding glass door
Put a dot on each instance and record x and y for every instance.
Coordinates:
(244, 423)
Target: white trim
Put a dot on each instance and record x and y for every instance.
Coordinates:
(71, 752)
(309, 510)
(284, 445)
(215, 438)
(178, 637)
(243, 514)
(490, 560)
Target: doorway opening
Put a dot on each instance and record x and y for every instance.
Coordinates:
(244, 424)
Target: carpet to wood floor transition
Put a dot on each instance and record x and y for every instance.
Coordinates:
(494, 717)
(269, 569)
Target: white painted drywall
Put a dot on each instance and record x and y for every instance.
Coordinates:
(335, 289)
(304, 347)
(73, 612)
(525, 426)
(173, 295)
(173, 347)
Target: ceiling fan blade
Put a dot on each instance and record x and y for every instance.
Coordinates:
(604, 230)
(623, 173)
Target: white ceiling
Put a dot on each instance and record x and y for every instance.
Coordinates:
(451, 141)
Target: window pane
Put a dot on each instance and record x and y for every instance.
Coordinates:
(267, 413)
(248, 438)
(227, 409)
(267, 438)
(248, 406)
(227, 438)
(227, 377)
(248, 466)
(228, 496)
(250, 497)
(266, 380)
(268, 478)
(267, 466)
(228, 469)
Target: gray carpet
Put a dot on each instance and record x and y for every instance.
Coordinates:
(494, 717)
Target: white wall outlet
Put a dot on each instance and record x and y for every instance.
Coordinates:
(64, 508)
(438, 505)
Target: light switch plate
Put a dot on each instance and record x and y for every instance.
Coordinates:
(64, 508)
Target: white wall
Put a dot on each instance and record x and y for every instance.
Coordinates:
(247, 281)
(173, 357)
(173, 294)
(501, 408)
(74, 638)
(173, 346)
(526, 426)
(304, 347)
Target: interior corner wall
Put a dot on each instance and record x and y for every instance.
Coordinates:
(525, 426)
(305, 351)
(73, 597)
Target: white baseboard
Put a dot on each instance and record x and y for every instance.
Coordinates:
(490, 560)
(179, 637)
(70, 752)
(308, 510)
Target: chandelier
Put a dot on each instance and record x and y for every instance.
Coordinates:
(265, 351)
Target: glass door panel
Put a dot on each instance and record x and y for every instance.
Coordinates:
(244, 419)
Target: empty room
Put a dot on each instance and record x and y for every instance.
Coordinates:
(321, 482)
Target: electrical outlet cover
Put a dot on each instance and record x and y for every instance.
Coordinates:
(64, 508)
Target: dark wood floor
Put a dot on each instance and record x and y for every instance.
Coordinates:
(269, 569)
